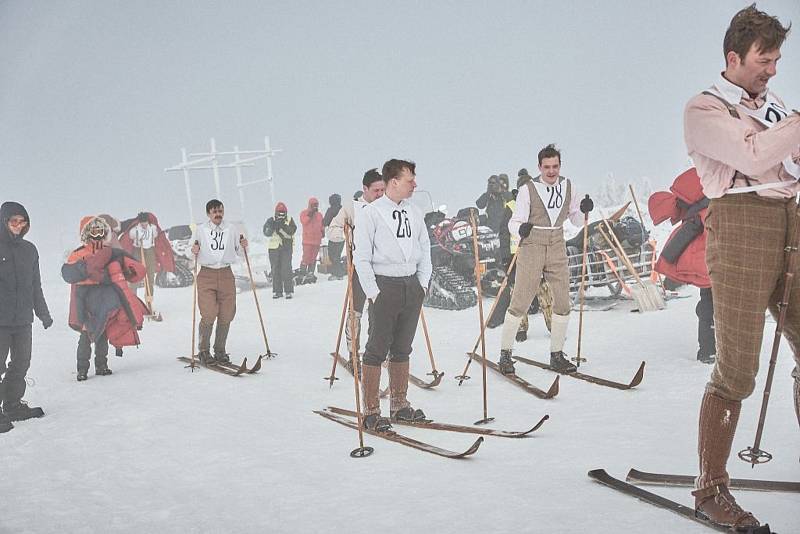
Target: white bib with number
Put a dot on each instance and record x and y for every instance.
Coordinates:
(552, 197)
(397, 217)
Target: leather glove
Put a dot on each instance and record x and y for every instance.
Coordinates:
(525, 229)
(587, 204)
(47, 322)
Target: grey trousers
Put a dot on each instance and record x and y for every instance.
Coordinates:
(393, 319)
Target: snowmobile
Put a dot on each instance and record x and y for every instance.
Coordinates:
(453, 259)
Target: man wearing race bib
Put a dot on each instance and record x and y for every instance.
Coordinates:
(216, 247)
(393, 259)
(745, 144)
(542, 206)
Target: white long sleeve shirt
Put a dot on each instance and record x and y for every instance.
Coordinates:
(219, 245)
(522, 210)
(390, 240)
(143, 236)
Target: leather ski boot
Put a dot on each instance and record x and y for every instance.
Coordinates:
(505, 363)
(204, 343)
(82, 375)
(220, 339)
(560, 363)
(371, 385)
(20, 411)
(522, 332)
(206, 358)
(401, 409)
(718, 420)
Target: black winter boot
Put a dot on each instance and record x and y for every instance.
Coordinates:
(102, 370)
(505, 363)
(560, 363)
(20, 411)
(705, 358)
(82, 375)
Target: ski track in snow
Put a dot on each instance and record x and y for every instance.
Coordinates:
(157, 448)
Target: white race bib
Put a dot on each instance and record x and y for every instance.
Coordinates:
(770, 114)
(553, 198)
(397, 218)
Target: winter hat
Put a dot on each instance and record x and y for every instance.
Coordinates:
(335, 199)
(93, 227)
(280, 207)
(494, 179)
(523, 172)
(313, 202)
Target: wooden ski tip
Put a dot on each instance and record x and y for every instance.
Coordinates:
(553, 391)
(536, 427)
(474, 448)
(361, 452)
(637, 378)
(242, 368)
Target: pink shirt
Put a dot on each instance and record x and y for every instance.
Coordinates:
(720, 144)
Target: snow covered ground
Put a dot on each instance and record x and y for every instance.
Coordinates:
(157, 448)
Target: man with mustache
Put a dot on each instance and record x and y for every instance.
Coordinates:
(217, 246)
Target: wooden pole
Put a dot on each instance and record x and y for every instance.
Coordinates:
(577, 359)
(194, 313)
(361, 451)
(463, 376)
(476, 253)
(433, 372)
(332, 378)
(269, 353)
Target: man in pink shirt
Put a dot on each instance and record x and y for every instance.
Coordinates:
(745, 144)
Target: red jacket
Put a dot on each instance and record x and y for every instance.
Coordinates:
(165, 259)
(312, 224)
(100, 298)
(685, 205)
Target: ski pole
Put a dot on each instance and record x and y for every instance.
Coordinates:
(463, 376)
(434, 373)
(335, 353)
(148, 295)
(754, 455)
(577, 359)
(476, 252)
(269, 353)
(194, 313)
(361, 451)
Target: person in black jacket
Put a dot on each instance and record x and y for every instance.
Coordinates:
(494, 202)
(20, 296)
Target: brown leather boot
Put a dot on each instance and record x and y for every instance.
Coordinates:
(220, 340)
(398, 386)
(718, 420)
(204, 343)
(370, 386)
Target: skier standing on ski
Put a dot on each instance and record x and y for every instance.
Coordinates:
(217, 246)
(20, 297)
(740, 134)
(313, 231)
(393, 260)
(280, 230)
(542, 206)
(373, 188)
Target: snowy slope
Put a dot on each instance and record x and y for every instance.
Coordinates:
(157, 448)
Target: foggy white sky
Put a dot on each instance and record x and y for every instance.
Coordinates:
(99, 96)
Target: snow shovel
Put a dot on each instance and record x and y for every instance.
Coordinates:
(645, 293)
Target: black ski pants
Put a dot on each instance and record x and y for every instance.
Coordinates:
(280, 261)
(15, 340)
(393, 319)
(85, 352)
